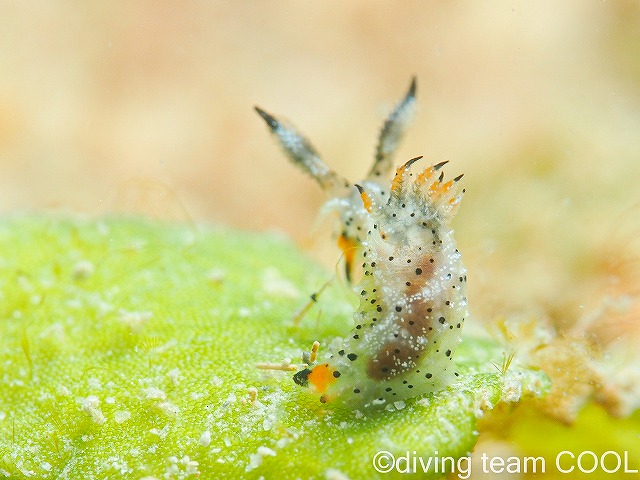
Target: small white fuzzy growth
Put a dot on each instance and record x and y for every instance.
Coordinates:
(121, 416)
(255, 459)
(91, 405)
(205, 438)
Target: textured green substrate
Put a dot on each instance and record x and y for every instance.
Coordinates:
(127, 350)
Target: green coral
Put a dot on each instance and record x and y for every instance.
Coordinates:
(128, 350)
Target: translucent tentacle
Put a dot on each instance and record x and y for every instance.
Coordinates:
(300, 151)
(392, 132)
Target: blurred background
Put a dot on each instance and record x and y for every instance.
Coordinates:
(146, 107)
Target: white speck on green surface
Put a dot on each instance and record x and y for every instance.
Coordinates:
(121, 416)
(91, 405)
(205, 438)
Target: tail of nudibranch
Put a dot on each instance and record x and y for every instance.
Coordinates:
(342, 196)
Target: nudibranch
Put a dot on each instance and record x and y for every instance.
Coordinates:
(413, 296)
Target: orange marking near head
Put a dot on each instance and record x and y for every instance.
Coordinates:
(438, 189)
(321, 377)
(397, 180)
(424, 176)
(366, 200)
(349, 248)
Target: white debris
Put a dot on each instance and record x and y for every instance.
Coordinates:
(399, 405)
(334, 474)
(168, 408)
(255, 459)
(121, 416)
(482, 404)
(216, 275)
(83, 269)
(511, 387)
(91, 405)
(154, 393)
(63, 391)
(269, 421)
(216, 381)
(174, 376)
(161, 433)
(134, 320)
(94, 383)
(181, 468)
(205, 438)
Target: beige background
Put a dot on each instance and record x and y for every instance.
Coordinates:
(146, 107)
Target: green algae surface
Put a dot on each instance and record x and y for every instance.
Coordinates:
(128, 350)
